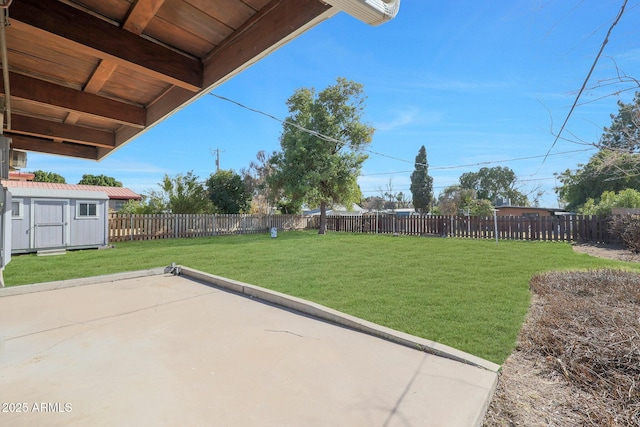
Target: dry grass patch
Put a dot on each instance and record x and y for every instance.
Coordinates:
(578, 358)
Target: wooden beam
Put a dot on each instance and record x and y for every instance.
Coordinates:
(140, 14)
(161, 108)
(29, 143)
(72, 118)
(31, 126)
(94, 36)
(100, 76)
(275, 22)
(70, 99)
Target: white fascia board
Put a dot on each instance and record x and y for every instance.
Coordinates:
(44, 193)
(372, 12)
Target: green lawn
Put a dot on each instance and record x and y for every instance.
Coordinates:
(469, 294)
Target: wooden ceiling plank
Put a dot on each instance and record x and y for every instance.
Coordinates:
(232, 13)
(103, 71)
(272, 24)
(141, 13)
(180, 38)
(73, 100)
(31, 126)
(29, 143)
(186, 17)
(106, 41)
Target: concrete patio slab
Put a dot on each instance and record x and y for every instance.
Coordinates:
(170, 350)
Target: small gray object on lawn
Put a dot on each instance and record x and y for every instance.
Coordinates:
(274, 232)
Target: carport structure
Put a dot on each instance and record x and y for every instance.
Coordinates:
(83, 77)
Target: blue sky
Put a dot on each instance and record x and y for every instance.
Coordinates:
(477, 83)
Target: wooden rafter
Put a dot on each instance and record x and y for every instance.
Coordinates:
(39, 91)
(96, 37)
(28, 143)
(140, 14)
(32, 126)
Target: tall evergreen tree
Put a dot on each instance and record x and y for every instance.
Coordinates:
(421, 183)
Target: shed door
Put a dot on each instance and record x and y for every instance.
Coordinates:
(50, 223)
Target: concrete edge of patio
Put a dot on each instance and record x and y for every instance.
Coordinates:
(71, 283)
(296, 304)
(324, 313)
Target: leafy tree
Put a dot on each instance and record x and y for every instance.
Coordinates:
(322, 145)
(228, 193)
(181, 194)
(289, 207)
(606, 171)
(628, 198)
(421, 183)
(624, 132)
(374, 203)
(139, 207)
(106, 181)
(42, 176)
(255, 180)
(612, 169)
(455, 200)
(493, 183)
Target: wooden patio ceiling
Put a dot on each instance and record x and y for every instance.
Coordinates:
(87, 76)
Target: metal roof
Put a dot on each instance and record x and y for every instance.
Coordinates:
(22, 187)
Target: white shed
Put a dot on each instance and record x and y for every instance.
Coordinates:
(58, 219)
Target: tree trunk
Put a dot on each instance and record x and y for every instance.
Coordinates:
(323, 218)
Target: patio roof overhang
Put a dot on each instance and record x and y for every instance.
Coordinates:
(81, 78)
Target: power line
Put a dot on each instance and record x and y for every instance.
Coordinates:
(335, 140)
(286, 122)
(452, 183)
(487, 162)
(586, 80)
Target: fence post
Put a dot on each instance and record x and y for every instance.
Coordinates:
(130, 226)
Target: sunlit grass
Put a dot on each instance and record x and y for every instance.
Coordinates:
(469, 294)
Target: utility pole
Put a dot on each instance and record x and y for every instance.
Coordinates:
(217, 154)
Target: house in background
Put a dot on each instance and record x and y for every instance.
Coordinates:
(337, 210)
(527, 211)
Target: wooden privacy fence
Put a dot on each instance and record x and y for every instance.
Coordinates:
(124, 227)
(568, 228)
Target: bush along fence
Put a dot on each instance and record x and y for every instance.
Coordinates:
(123, 227)
(566, 228)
